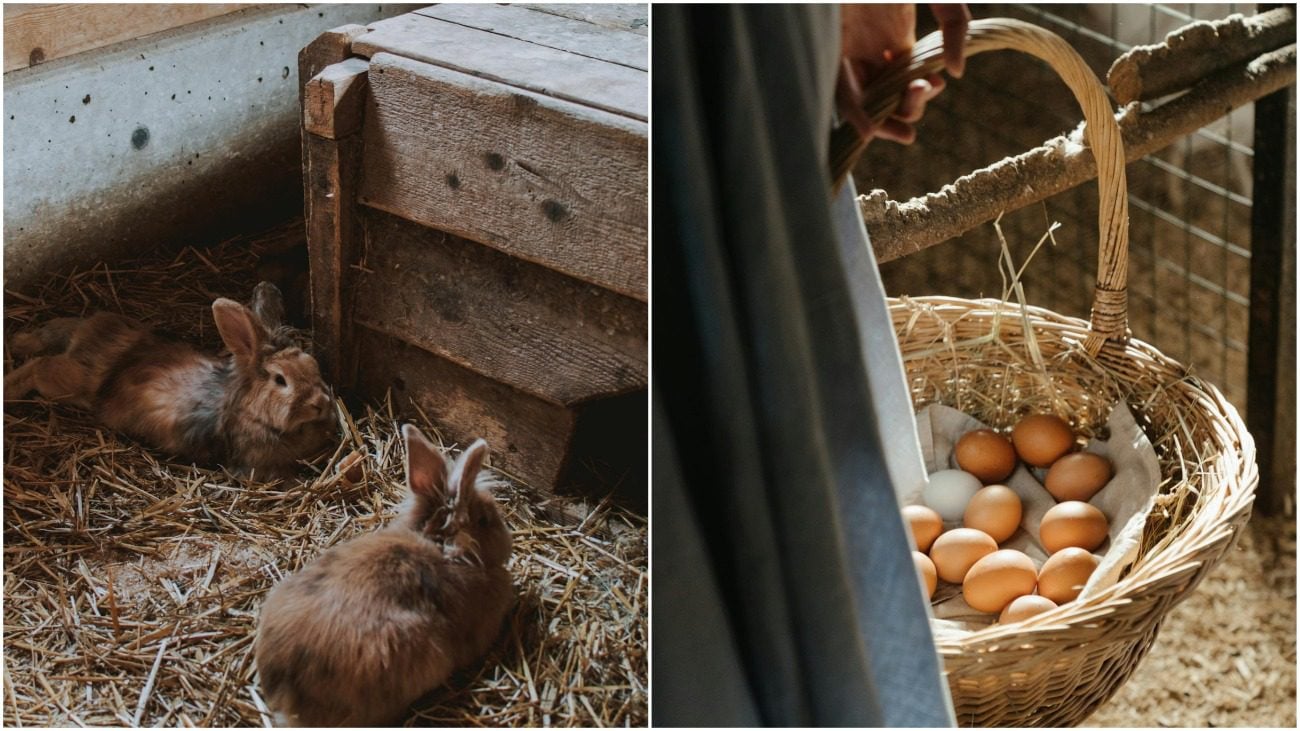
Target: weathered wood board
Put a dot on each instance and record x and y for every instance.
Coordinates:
(552, 336)
(332, 233)
(585, 80)
(42, 32)
(552, 31)
(634, 17)
(478, 227)
(546, 180)
(333, 102)
(528, 437)
(330, 47)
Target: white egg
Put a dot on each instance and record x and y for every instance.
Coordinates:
(949, 491)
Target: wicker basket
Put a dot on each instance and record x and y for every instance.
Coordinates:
(999, 361)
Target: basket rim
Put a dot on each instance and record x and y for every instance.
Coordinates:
(1205, 533)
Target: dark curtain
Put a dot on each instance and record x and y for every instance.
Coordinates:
(784, 590)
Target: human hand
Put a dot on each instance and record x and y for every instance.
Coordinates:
(871, 37)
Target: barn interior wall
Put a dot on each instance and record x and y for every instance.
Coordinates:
(177, 138)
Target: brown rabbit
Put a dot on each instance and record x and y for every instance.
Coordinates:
(260, 409)
(373, 624)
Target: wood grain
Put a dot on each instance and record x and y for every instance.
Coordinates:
(547, 334)
(559, 74)
(333, 236)
(39, 33)
(330, 171)
(528, 437)
(553, 31)
(330, 47)
(334, 100)
(545, 180)
(634, 17)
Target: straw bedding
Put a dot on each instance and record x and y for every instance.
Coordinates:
(132, 584)
(1227, 655)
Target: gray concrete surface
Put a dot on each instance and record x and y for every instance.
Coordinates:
(181, 137)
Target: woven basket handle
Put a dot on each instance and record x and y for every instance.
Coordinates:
(1110, 300)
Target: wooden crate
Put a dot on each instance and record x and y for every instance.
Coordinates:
(476, 194)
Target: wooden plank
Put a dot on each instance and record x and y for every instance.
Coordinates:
(623, 16)
(1270, 391)
(38, 33)
(330, 171)
(528, 437)
(331, 242)
(553, 31)
(545, 333)
(330, 47)
(549, 181)
(588, 81)
(334, 99)
(333, 239)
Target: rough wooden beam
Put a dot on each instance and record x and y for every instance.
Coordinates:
(333, 106)
(500, 167)
(334, 100)
(530, 438)
(329, 48)
(898, 229)
(584, 80)
(1195, 51)
(330, 167)
(547, 334)
(553, 31)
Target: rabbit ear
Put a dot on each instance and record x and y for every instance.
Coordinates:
(466, 472)
(268, 305)
(239, 329)
(426, 468)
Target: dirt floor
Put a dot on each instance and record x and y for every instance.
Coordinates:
(132, 584)
(1225, 657)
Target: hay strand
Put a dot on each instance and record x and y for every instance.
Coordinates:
(132, 584)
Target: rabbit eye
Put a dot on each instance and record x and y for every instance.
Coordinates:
(279, 380)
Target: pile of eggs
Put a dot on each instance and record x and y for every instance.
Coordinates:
(1006, 581)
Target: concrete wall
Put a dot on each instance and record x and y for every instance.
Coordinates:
(182, 137)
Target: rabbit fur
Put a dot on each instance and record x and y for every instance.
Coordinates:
(259, 410)
(374, 623)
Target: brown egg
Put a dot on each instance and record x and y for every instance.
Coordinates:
(925, 524)
(998, 578)
(985, 454)
(1041, 439)
(995, 510)
(957, 550)
(1024, 607)
(1072, 523)
(1065, 573)
(925, 567)
(1078, 476)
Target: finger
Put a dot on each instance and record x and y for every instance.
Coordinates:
(937, 84)
(912, 106)
(895, 130)
(848, 96)
(954, 21)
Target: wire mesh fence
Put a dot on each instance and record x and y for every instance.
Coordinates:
(1190, 203)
